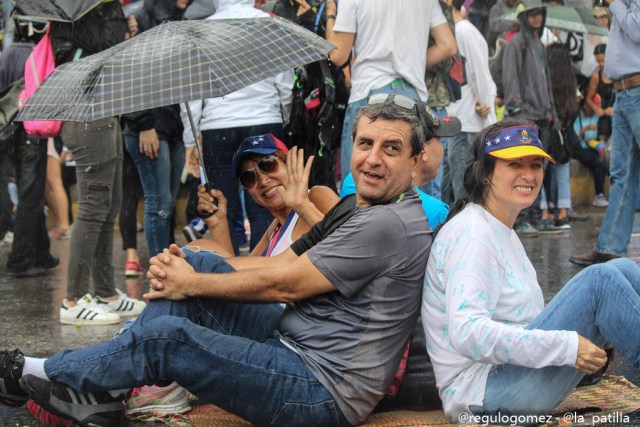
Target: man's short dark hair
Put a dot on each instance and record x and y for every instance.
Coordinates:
(390, 111)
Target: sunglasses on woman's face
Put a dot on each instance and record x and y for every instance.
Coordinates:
(249, 177)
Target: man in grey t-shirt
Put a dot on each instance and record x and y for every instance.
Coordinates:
(353, 286)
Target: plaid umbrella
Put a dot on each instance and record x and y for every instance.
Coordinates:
(573, 19)
(173, 63)
(55, 10)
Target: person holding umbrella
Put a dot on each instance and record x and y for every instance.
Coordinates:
(97, 148)
(224, 122)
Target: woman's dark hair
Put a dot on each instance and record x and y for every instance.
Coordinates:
(479, 170)
(600, 49)
(564, 84)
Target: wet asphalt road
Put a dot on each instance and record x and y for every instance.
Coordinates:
(29, 308)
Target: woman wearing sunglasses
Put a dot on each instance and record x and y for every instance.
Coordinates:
(496, 349)
(277, 179)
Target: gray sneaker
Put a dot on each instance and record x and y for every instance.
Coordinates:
(545, 226)
(600, 201)
(526, 230)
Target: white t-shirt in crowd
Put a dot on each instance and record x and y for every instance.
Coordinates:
(480, 86)
(391, 41)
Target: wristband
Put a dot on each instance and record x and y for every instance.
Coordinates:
(326, 18)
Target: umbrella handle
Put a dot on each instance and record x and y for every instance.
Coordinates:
(204, 180)
(204, 214)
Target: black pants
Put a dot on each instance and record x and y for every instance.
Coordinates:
(131, 193)
(592, 161)
(31, 241)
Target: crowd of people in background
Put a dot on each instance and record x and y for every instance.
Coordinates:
(277, 151)
(551, 76)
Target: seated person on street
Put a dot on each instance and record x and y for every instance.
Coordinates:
(278, 180)
(495, 347)
(354, 283)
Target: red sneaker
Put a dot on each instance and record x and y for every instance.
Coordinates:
(132, 269)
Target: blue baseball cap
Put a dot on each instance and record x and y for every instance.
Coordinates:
(259, 144)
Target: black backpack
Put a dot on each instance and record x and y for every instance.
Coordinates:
(320, 98)
(8, 110)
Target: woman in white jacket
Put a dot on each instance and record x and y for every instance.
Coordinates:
(495, 348)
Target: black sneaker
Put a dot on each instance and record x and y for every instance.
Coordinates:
(87, 409)
(11, 363)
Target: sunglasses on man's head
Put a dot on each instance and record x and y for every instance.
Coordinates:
(427, 117)
(249, 177)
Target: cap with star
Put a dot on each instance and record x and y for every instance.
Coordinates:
(259, 144)
(515, 142)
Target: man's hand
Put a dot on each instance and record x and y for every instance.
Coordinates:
(170, 275)
(193, 161)
(590, 357)
(132, 27)
(297, 193)
(482, 110)
(149, 143)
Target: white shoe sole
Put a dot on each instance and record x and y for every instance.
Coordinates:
(88, 322)
(160, 409)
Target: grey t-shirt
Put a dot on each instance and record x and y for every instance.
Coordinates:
(353, 339)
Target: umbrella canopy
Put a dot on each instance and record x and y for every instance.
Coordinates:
(565, 18)
(55, 10)
(173, 63)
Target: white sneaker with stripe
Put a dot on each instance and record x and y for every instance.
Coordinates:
(124, 305)
(86, 312)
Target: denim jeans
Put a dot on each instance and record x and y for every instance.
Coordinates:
(98, 150)
(458, 155)
(223, 352)
(160, 179)
(617, 225)
(397, 87)
(559, 185)
(30, 242)
(601, 303)
(440, 186)
(218, 148)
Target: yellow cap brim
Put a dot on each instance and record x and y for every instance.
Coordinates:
(512, 153)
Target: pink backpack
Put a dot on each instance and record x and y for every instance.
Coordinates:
(39, 65)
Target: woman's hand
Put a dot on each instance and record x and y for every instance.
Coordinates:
(297, 192)
(149, 144)
(609, 111)
(205, 204)
(590, 357)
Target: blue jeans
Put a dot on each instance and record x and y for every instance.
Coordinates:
(560, 187)
(224, 353)
(440, 186)
(617, 225)
(160, 179)
(218, 148)
(98, 150)
(398, 87)
(602, 304)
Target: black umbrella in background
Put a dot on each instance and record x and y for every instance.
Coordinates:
(55, 10)
(174, 63)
